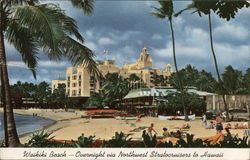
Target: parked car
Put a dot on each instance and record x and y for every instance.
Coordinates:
(211, 114)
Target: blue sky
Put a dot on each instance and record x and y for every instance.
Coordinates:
(124, 27)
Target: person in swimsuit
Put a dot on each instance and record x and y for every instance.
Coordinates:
(219, 126)
(151, 129)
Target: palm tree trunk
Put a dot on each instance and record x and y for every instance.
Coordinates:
(13, 139)
(4, 109)
(216, 68)
(177, 72)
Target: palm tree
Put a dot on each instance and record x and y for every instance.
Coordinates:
(28, 26)
(233, 81)
(160, 80)
(224, 9)
(205, 82)
(166, 10)
(133, 81)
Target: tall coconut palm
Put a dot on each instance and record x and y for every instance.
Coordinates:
(30, 26)
(166, 11)
(2, 101)
(224, 9)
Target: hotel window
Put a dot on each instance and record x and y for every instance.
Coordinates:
(74, 71)
(74, 77)
(80, 83)
(74, 93)
(74, 84)
(68, 78)
(80, 77)
(68, 84)
(79, 92)
(68, 92)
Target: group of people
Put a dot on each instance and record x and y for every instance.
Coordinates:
(218, 124)
(165, 134)
(210, 125)
(237, 126)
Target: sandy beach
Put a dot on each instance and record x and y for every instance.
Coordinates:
(106, 128)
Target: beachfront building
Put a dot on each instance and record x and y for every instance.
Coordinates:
(146, 100)
(215, 102)
(79, 83)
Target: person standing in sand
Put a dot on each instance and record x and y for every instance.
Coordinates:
(219, 126)
(204, 119)
(151, 129)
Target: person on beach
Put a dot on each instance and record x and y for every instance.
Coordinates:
(151, 129)
(190, 112)
(245, 125)
(178, 113)
(186, 126)
(236, 126)
(176, 134)
(165, 133)
(210, 125)
(204, 120)
(219, 126)
(138, 119)
(229, 126)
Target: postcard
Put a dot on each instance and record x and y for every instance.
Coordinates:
(139, 79)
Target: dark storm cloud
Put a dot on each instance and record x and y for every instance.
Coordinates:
(124, 27)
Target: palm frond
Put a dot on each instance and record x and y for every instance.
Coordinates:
(190, 6)
(44, 22)
(87, 6)
(25, 44)
(166, 9)
(49, 25)
(158, 15)
(79, 54)
(18, 2)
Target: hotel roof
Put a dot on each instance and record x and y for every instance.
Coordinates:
(150, 92)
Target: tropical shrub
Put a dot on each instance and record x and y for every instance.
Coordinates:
(190, 142)
(83, 142)
(149, 141)
(192, 102)
(119, 140)
(41, 139)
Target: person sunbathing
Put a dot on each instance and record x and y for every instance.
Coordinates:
(210, 125)
(236, 126)
(186, 126)
(176, 134)
(239, 126)
(228, 125)
(138, 118)
(166, 134)
(245, 125)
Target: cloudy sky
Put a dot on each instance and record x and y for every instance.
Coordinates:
(123, 28)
